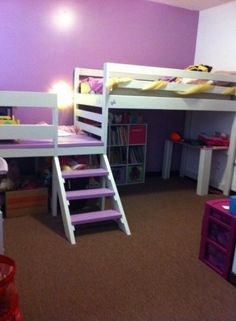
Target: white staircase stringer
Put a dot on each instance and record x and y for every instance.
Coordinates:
(123, 224)
(65, 213)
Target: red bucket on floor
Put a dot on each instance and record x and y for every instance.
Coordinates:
(9, 310)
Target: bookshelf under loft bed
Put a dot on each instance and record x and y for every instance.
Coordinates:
(126, 150)
(123, 86)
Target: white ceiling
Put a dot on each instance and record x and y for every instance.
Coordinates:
(193, 4)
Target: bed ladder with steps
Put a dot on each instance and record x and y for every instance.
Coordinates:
(107, 189)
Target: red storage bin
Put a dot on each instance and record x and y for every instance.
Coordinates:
(137, 134)
(9, 310)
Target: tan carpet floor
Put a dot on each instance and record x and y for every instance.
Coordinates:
(152, 275)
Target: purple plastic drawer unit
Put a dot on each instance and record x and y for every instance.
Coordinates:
(217, 210)
(218, 236)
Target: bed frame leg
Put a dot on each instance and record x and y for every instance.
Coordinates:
(230, 160)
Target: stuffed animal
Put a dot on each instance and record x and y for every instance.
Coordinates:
(117, 118)
(70, 163)
(45, 171)
(110, 118)
(14, 171)
(8, 120)
(201, 67)
(12, 179)
(6, 184)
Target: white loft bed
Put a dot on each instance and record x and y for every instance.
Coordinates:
(130, 95)
(40, 140)
(91, 116)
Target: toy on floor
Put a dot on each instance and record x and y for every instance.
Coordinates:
(6, 184)
(8, 120)
(12, 178)
(175, 136)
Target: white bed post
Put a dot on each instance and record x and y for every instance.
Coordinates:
(105, 110)
(75, 92)
(230, 160)
(204, 170)
(123, 224)
(55, 120)
(104, 123)
(55, 191)
(168, 149)
(186, 134)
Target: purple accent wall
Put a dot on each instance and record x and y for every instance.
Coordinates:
(34, 54)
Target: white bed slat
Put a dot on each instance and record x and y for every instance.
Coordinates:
(89, 115)
(91, 129)
(89, 99)
(27, 99)
(141, 102)
(27, 152)
(88, 150)
(89, 72)
(172, 86)
(27, 132)
(151, 73)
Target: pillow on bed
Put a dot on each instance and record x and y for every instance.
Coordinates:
(68, 130)
(91, 85)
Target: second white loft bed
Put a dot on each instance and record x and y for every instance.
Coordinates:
(125, 87)
(19, 140)
(43, 139)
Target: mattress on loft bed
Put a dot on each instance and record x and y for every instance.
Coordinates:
(80, 139)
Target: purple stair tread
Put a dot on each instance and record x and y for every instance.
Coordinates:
(98, 216)
(89, 193)
(92, 172)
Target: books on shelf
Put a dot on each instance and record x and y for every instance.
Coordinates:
(136, 154)
(118, 155)
(119, 173)
(127, 151)
(118, 135)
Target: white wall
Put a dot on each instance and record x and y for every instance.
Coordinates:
(216, 43)
(216, 46)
